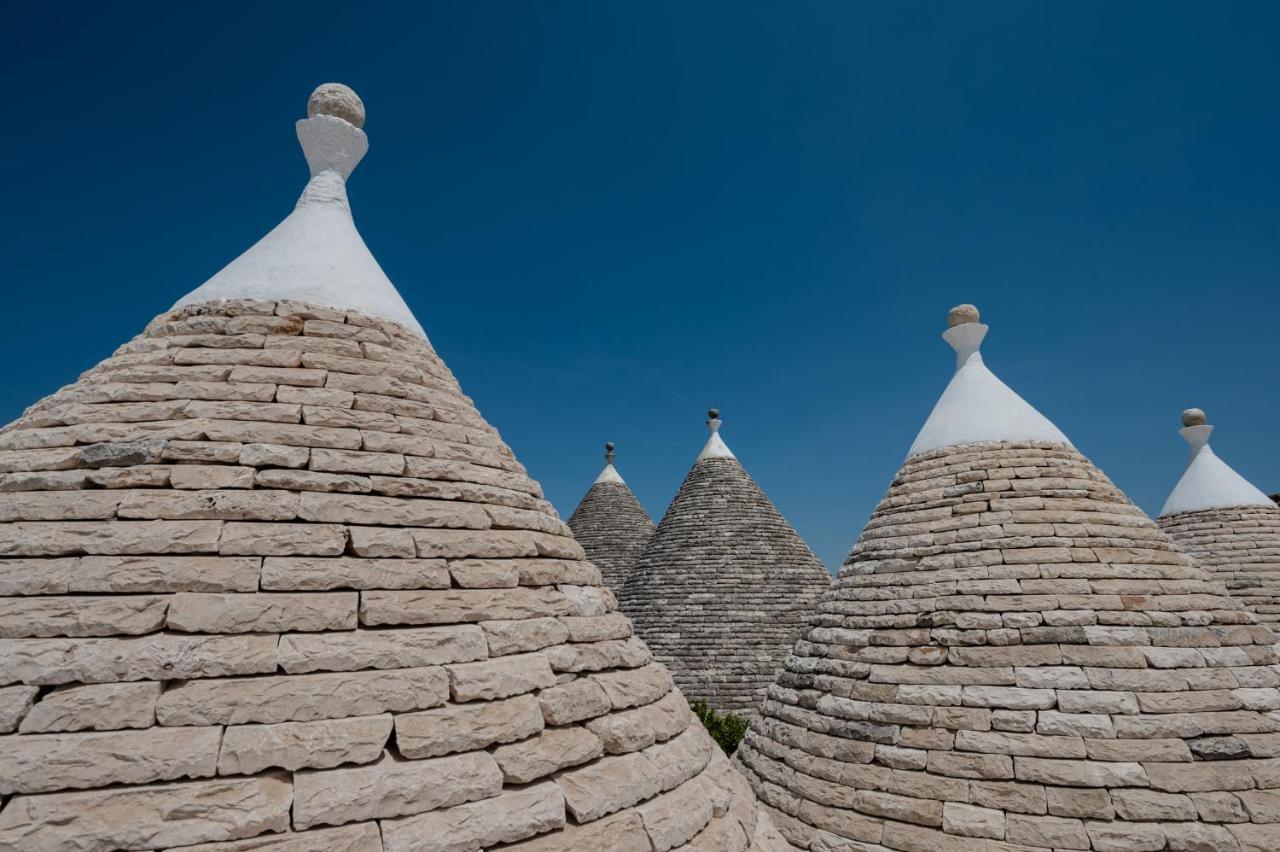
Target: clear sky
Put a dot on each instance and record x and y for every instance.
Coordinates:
(610, 216)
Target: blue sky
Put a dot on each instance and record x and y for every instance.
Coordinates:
(611, 216)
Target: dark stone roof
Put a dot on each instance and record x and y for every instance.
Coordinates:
(612, 528)
(723, 587)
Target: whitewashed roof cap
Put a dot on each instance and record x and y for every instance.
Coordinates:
(715, 448)
(977, 406)
(610, 473)
(1208, 482)
(316, 255)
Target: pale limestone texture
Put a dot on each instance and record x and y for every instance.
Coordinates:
(268, 581)
(1240, 546)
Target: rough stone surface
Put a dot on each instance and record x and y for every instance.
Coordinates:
(221, 559)
(612, 528)
(1240, 547)
(722, 587)
(1014, 657)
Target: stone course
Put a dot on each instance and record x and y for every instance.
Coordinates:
(612, 528)
(723, 587)
(1014, 657)
(268, 581)
(1240, 547)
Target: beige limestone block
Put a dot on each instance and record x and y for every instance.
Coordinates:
(223, 390)
(550, 572)
(549, 751)
(573, 701)
(499, 678)
(597, 656)
(38, 576)
(465, 544)
(527, 634)
(389, 511)
(254, 412)
(278, 376)
(58, 505)
(627, 730)
(288, 434)
(99, 707)
(484, 574)
(466, 727)
(1081, 773)
(589, 600)
(156, 657)
(139, 476)
(971, 821)
(307, 480)
(15, 704)
(383, 542)
(56, 480)
(634, 686)
(151, 817)
(204, 476)
(164, 574)
(42, 763)
(597, 628)
(676, 817)
(248, 539)
(307, 573)
(301, 698)
(513, 815)
(262, 612)
(58, 458)
(609, 784)
(381, 649)
(391, 788)
(122, 615)
(108, 538)
(682, 757)
(357, 461)
(202, 451)
(361, 837)
(316, 396)
(248, 749)
(448, 606)
(229, 505)
(273, 455)
(621, 832)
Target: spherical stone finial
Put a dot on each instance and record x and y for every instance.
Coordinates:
(713, 413)
(961, 315)
(1193, 417)
(608, 447)
(337, 100)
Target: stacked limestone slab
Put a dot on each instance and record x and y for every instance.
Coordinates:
(724, 585)
(1228, 526)
(611, 525)
(269, 581)
(1014, 657)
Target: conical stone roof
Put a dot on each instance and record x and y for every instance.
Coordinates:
(270, 581)
(1014, 657)
(611, 525)
(724, 585)
(1230, 527)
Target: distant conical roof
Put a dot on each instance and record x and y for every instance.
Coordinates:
(270, 581)
(1229, 526)
(724, 585)
(611, 525)
(1015, 657)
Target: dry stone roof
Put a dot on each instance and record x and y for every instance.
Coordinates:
(611, 525)
(724, 585)
(1227, 525)
(268, 580)
(1014, 657)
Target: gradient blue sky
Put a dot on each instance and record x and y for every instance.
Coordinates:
(612, 216)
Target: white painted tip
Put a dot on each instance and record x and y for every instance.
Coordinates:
(977, 406)
(316, 255)
(610, 473)
(1208, 482)
(715, 448)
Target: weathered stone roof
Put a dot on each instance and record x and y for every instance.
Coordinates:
(1015, 657)
(723, 586)
(611, 525)
(269, 580)
(1227, 525)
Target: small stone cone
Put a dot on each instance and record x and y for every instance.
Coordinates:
(1233, 532)
(270, 581)
(724, 585)
(611, 525)
(1014, 657)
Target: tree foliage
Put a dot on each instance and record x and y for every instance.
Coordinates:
(727, 729)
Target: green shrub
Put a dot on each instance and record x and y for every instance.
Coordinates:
(726, 728)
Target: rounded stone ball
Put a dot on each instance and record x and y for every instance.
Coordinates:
(337, 100)
(1193, 417)
(713, 413)
(609, 447)
(961, 314)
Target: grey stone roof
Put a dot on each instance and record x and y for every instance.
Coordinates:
(1014, 656)
(612, 528)
(1241, 547)
(723, 586)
